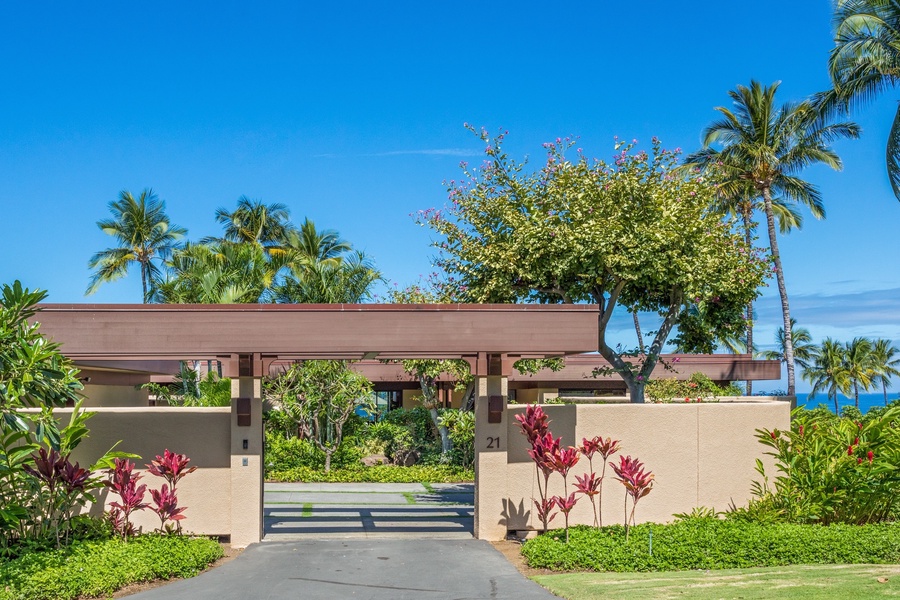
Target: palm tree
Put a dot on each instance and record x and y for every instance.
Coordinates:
(866, 62)
(764, 147)
(742, 206)
(144, 235)
(348, 281)
(858, 365)
(886, 363)
(223, 273)
(253, 222)
(827, 372)
(804, 349)
(308, 246)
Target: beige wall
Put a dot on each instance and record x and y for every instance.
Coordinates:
(114, 395)
(223, 497)
(702, 455)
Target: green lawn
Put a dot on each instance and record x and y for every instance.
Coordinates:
(775, 583)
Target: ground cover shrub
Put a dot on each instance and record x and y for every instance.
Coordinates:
(461, 425)
(377, 474)
(830, 470)
(696, 389)
(88, 568)
(283, 454)
(710, 543)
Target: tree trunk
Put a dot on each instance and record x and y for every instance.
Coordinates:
(748, 237)
(637, 329)
(144, 280)
(328, 460)
(884, 389)
(446, 443)
(856, 394)
(837, 409)
(429, 395)
(782, 291)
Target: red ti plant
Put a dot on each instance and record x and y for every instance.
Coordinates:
(605, 448)
(543, 452)
(123, 482)
(165, 505)
(589, 486)
(534, 423)
(171, 467)
(563, 461)
(638, 483)
(565, 506)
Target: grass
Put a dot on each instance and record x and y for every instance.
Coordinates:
(775, 583)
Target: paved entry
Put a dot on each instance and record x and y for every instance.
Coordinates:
(296, 511)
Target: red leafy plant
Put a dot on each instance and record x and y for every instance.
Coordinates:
(605, 448)
(535, 426)
(172, 467)
(123, 482)
(563, 461)
(638, 483)
(63, 487)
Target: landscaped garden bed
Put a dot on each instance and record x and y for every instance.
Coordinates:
(712, 543)
(89, 568)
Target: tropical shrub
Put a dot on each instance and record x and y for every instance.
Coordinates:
(699, 387)
(711, 543)
(283, 454)
(461, 425)
(377, 474)
(92, 568)
(831, 469)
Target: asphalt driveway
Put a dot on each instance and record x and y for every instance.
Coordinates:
(369, 541)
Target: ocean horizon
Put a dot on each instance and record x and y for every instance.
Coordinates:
(866, 400)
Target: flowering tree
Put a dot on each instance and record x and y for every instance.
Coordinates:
(636, 233)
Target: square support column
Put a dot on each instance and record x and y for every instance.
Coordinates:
(246, 462)
(490, 459)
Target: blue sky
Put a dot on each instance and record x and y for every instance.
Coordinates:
(352, 115)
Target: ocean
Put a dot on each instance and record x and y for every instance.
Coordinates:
(866, 400)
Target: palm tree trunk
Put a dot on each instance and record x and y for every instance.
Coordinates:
(856, 394)
(782, 291)
(637, 329)
(748, 237)
(884, 389)
(144, 280)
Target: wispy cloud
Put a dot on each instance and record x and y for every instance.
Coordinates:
(423, 152)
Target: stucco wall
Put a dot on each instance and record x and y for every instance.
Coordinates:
(115, 395)
(702, 455)
(203, 434)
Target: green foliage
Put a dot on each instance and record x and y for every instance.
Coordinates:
(461, 425)
(697, 387)
(378, 474)
(87, 569)
(418, 421)
(320, 396)
(709, 543)
(283, 454)
(636, 234)
(393, 439)
(831, 469)
(189, 389)
(33, 372)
